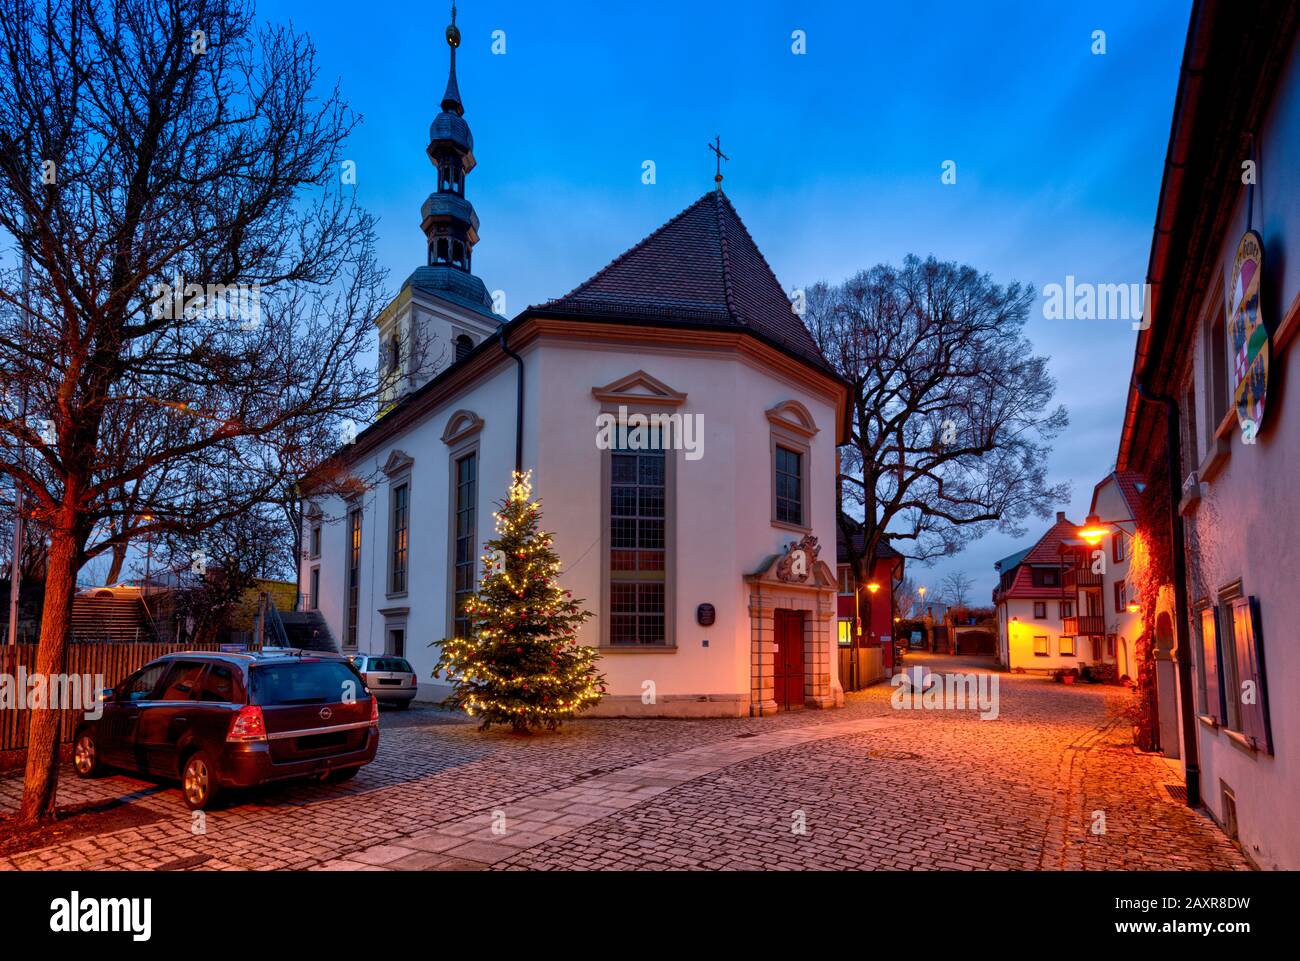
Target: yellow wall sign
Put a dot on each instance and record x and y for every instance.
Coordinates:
(1247, 336)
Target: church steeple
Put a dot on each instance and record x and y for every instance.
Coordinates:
(448, 219)
(451, 98)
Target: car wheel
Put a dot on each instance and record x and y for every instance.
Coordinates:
(345, 774)
(198, 781)
(85, 755)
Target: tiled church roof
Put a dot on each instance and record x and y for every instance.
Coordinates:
(701, 267)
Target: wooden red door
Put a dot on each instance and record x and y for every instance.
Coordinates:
(789, 670)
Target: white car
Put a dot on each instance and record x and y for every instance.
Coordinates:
(390, 679)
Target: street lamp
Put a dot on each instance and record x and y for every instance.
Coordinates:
(1094, 528)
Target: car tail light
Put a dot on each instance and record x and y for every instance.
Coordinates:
(374, 711)
(248, 725)
(415, 680)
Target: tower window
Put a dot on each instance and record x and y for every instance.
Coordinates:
(458, 253)
(393, 352)
(443, 248)
(463, 346)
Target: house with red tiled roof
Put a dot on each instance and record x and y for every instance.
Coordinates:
(1115, 505)
(1031, 604)
(681, 427)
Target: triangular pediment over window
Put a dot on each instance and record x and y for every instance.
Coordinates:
(639, 387)
(398, 462)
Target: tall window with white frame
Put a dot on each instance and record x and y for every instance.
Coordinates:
(353, 583)
(638, 514)
(466, 493)
(789, 486)
(400, 538)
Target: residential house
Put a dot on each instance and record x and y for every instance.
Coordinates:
(1213, 426)
(1032, 606)
(1115, 501)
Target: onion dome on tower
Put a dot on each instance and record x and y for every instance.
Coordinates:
(448, 220)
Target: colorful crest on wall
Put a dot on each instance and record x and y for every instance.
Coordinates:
(1248, 339)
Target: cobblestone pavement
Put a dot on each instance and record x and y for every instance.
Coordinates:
(863, 787)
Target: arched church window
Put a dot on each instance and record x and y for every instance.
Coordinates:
(463, 346)
(443, 251)
(445, 175)
(458, 253)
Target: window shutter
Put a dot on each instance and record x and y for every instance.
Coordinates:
(1250, 667)
(1213, 705)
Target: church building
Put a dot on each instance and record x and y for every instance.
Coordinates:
(706, 554)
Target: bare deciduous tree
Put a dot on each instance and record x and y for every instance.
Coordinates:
(158, 156)
(951, 410)
(955, 588)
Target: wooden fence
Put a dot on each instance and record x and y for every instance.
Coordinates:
(869, 669)
(114, 661)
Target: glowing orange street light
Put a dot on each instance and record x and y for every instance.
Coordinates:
(873, 587)
(1133, 608)
(1093, 530)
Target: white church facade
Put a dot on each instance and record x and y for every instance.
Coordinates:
(701, 562)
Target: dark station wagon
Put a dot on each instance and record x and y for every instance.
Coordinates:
(234, 720)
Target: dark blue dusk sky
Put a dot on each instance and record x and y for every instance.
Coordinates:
(836, 154)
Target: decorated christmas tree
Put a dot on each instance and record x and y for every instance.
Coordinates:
(521, 664)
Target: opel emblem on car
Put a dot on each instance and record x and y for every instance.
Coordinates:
(326, 714)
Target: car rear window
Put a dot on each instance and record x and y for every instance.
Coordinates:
(395, 665)
(305, 682)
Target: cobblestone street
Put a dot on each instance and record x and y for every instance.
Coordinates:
(866, 787)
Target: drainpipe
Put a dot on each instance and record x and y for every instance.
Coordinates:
(519, 402)
(1173, 449)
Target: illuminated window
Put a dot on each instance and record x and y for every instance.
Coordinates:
(846, 633)
(1040, 646)
(1067, 647)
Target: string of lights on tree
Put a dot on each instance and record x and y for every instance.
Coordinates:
(521, 664)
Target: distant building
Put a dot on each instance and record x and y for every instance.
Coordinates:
(865, 619)
(1031, 604)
